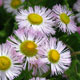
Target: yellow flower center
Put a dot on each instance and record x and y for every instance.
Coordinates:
(64, 18)
(15, 3)
(28, 48)
(5, 63)
(35, 18)
(53, 56)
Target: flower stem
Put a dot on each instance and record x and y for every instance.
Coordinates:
(75, 53)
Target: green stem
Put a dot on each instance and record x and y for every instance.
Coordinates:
(76, 53)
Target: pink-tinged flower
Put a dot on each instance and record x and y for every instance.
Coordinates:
(0, 2)
(12, 6)
(76, 6)
(56, 54)
(38, 66)
(37, 78)
(64, 19)
(29, 44)
(10, 62)
(78, 30)
(37, 18)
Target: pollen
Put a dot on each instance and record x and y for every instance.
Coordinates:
(35, 18)
(53, 56)
(15, 3)
(28, 48)
(64, 18)
(5, 63)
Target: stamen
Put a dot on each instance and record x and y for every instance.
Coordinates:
(53, 56)
(28, 48)
(5, 63)
(35, 18)
(64, 18)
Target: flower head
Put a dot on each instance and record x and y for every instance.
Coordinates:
(38, 19)
(0, 2)
(78, 30)
(29, 45)
(38, 66)
(12, 5)
(76, 6)
(57, 55)
(37, 78)
(10, 62)
(64, 19)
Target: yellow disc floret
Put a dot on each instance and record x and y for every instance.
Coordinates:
(64, 18)
(53, 56)
(5, 63)
(35, 18)
(15, 3)
(28, 48)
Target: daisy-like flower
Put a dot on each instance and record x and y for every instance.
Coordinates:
(10, 63)
(78, 30)
(38, 66)
(1, 2)
(76, 7)
(39, 19)
(12, 5)
(37, 78)
(29, 45)
(64, 19)
(57, 55)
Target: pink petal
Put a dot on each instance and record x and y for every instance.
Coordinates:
(78, 30)
(0, 2)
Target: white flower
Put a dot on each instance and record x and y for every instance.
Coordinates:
(37, 78)
(29, 45)
(57, 55)
(38, 66)
(12, 5)
(76, 7)
(38, 19)
(64, 19)
(10, 63)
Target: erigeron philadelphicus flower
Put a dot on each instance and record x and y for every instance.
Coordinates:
(64, 19)
(10, 63)
(1, 2)
(37, 18)
(12, 5)
(37, 78)
(76, 7)
(29, 45)
(38, 66)
(78, 30)
(57, 55)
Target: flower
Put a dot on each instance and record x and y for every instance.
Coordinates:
(37, 78)
(38, 66)
(57, 55)
(64, 19)
(10, 62)
(38, 19)
(78, 30)
(12, 5)
(29, 45)
(76, 7)
(0, 2)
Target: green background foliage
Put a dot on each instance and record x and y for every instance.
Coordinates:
(8, 25)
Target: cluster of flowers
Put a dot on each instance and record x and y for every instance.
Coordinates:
(33, 45)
